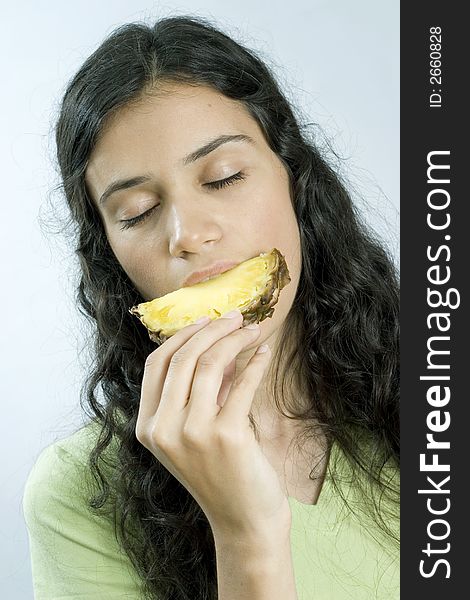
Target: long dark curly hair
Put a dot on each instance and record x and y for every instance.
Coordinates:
(341, 332)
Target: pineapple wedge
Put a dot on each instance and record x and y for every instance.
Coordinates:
(253, 287)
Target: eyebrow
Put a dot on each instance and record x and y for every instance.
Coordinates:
(124, 184)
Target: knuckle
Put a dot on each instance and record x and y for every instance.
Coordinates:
(153, 358)
(156, 438)
(141, 434)
(242, 384)
(228, 436)
(208, 360)
(180, 357)
(162, 439)
(192, 435)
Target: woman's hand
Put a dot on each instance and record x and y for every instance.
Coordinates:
(204, 439)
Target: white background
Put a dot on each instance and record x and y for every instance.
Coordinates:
(339, 60)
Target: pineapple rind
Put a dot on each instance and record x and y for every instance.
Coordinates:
(164, 316)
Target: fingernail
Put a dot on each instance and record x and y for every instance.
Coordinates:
(201, 320)
(231, 315)
(262, 348)
(252, 326)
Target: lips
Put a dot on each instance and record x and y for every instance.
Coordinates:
(209, 272)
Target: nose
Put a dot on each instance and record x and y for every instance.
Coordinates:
(190, 228)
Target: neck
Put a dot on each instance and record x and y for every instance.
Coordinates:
(265, 412)
(276, 431)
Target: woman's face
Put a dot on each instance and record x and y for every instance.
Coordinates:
(169, 219)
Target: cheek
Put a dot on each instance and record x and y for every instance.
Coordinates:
(276, 226)
(139, 263)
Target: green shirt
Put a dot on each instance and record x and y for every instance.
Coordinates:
(74, 554)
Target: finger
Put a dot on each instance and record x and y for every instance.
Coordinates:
(227, 379)
(156, 368)
(240, 398)
(209, 372)
(181, 369)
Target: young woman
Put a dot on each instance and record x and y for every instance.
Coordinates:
(228, 462)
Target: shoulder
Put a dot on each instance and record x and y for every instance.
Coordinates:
(60, 484)
(74, 552)
(61, 466)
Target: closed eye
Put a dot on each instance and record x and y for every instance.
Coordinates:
(221, 183)
(127, 223)
(216, 185)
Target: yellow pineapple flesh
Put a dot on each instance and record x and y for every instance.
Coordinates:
(253, 287)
